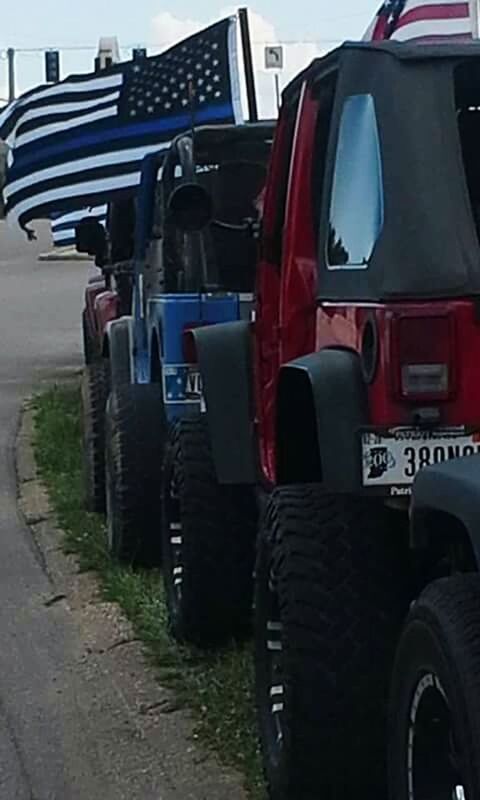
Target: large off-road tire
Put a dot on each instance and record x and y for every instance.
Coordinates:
(208, 542)
(330, 598)
(119, 354)
(135, 433)
(89, 352)
(94, 398)
(434, 716)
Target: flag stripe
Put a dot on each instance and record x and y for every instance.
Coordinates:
(58, 127)
(85, 176)
(60, 221)
(72, 86)
(83, 164)
(46, 201)
(432, 28)
(422, 21)
(64, 92)
(159, 126)
(82, 141)
(434, 12)
(58, 110)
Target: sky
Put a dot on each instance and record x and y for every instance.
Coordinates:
(307, 28)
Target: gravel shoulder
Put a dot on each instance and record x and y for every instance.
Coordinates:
(119, 733)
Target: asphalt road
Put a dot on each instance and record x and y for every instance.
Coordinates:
(71, 720)
(39, 339)
(66, 729)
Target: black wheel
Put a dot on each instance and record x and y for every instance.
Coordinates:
(88, 343)
(434, 719)
(94, 398)
(330, 598)
(133, 454)
(208, 542)
(119, 354)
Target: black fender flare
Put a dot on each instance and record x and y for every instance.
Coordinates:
(323, 398)
(451, 489)
(119, 350)
(224, 354)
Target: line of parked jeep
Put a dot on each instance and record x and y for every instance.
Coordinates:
(282, 353)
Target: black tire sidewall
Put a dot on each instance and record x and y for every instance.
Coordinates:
(275, 760)
(110, 481)
(119, 355)
(94, 398)
(134, 442)
(341, 597)
(423, 651)
(218, 532)
(170, 470)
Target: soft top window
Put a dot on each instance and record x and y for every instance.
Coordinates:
(357, 203)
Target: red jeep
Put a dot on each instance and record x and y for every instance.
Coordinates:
(108, 298)
(361, 368)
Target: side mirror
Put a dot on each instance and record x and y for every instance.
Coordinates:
(91, 238)
(190, 207)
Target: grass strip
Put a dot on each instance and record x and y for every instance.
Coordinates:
(216, 686)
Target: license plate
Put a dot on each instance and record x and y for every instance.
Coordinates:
(182, 383)
(393, 458)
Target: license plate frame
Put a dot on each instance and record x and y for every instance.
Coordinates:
(392, 457)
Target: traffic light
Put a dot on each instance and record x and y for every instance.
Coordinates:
(138, 53)
(52, 66)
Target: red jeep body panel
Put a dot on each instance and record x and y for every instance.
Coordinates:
(107, 308)
(285, 323)
(344, 325)
(101, 307)
(291, 322)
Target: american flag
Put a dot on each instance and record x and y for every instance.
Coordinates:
(423, 21)
(63, 225)
(82, 141)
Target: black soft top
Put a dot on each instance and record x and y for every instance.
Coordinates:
(400, 51)
(230, 141)
(429, 244)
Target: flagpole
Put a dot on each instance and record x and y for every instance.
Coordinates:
(474, 17)
(248, 62)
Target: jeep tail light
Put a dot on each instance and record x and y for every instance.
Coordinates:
(425, 353)
(189, 346)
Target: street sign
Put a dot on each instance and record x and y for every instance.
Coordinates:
(274, 57)
(52, 66)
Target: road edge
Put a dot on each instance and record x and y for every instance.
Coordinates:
(183, 765)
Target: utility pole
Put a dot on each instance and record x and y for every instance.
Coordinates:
(11, 74)
(474, 17)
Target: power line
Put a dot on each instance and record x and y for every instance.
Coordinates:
(159, 45)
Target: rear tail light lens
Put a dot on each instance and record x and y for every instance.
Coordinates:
(189, 346)
(424, 349)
